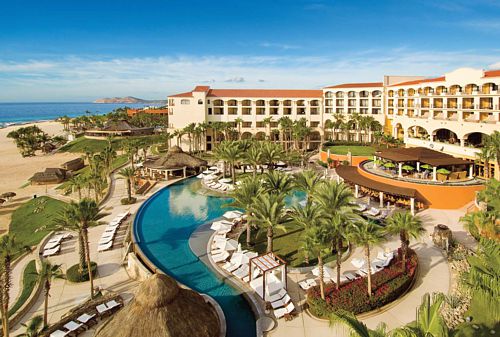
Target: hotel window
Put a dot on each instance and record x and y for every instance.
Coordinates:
(209, 111)
(339, 94)
(340, 102)
(351, 110)
(200, 101)
(185, 101)
(363, 94)
(351, 94)
(340, 110)
(352, 102)
(364, 102)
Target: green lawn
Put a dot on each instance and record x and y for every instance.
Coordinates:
(82, 144)
(356, 150)
(35, 219)
(285, 244)
(29, 282)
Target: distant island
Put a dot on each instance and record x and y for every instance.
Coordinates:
(128, 100)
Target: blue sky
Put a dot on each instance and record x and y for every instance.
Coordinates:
(78, 51)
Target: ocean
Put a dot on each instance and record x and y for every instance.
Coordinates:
(19, 113)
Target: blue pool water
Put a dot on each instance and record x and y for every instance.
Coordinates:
(163, 226)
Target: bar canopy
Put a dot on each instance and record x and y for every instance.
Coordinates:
(421, 154)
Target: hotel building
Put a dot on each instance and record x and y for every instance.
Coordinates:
(451, 113)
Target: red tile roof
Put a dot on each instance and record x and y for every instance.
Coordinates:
(203, 88)
(268, 93)
(492, 73)
(425, 80)
(184, 94)
(357, 85)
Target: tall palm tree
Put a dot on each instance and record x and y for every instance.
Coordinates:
(406, 226)
(306, 181)
(312, 244)
(33, 327)
(268, 213)
(429, 321)
(75, 184)
(271, 153)
(367, 234)
(356, 327)
(128, 173)
(253, 156)
(47, 273)
(238, 121)
(307, 217)
(276, 182)
(9, 247)
(493, 142)
(244, 197)
(86, 213)
(66, 221)
(486, 155)
(232, 154)
(188, 130)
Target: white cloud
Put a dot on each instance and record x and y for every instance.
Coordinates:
(77, 78)
(282, 46)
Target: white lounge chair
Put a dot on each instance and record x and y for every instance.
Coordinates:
(372, 211)
(59, 333)
(52, 244)
(241, 272)
(230, 267)
(220, 257)
(52, 252)
(281, 302)
(343, 279)
(85, 318)
(350, 276)
(102, 248)
(102, 308)
(283, 311)
(279, 295)
(304, 285)
(113, 304)
(105, 240)
(73, 326)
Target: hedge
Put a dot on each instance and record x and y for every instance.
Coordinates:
(387, 285)
(73, 275)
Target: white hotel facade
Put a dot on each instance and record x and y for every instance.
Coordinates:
(451, 113)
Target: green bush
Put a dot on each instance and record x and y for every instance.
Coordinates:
(322, 163)
(74, 276)
(127, 201)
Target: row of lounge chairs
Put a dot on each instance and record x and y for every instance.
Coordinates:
(86, 320)
(53, 246)
(107, 238)
(216, 185)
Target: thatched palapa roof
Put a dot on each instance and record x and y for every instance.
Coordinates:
(162, 309)
(174, 159)
(50, 175)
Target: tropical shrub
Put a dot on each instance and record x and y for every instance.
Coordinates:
(73, 275)
(388, 284)
(127, 201)
(322, 163)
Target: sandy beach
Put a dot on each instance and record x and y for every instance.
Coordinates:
(16, 170)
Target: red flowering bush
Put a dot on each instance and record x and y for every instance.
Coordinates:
(387, 285)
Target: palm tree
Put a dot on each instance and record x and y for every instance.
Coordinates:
(232, 154)
(306, 181)
(66, 221)
(238, 121)
(285, 125)
(75, 183)
(356, 327)
(486, 155)
(312, 244)
(267, 122)
(9, 247)
(429, 321)
(276, 182)
(367, 234)
(33, 327)
(48, 272)
(407, 226)
(188, 130)
(271, 153)
(307, 217)
(128, 173)
(268, 212)
(86, 213)
(244, 197)
(493, 142)
(253, 156)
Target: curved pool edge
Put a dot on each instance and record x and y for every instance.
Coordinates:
(250, 296)
(149, 265)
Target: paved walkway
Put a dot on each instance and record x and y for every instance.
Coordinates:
(112, 275)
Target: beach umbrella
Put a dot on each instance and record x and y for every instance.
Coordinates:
(232, 214)
(213, 168)
(426, 166)
(358, 262)
(8, 195)
(220, 227)
(408, 168)
(216, 225)
(225, 180)
(327, 272)
(443, 171)
(207, 172)
(379, 162)
(389, 164)
(227, 245)
(161, 308)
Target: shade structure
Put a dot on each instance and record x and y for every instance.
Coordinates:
(242, 258)
(220, 226)
(389, 164)
(207, 172)
(213, 168)
(232, 214)
(358, 262)
(225, 180)
(426, 166)
(162, 309)
(227, 245)
(408, 168)
(2, 201)
(443, 171)
(327, 272)
(174, 159)
(8, 195)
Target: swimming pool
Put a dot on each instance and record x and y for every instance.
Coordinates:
(163, 226)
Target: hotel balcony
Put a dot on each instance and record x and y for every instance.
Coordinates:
(328, 110)
(328, 102)
(232, 111)
(246, 125)
(287, 111)
(274, 111)
(260, 111)
(314, 111)
(247, 111)
(301, 111)
(218, 111)
(375, 111)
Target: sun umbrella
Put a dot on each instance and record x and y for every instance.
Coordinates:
(378, 162)
(207, 172)
(227, 245)
(232, 214)
(408, 168)
(358, 262)
(426, 166)
(220, 227)
(216, 225)
(327, 272)
(210, 177)
(240, 258)
(443, 171)
(8, 195)
(225, 180)
(389, 164)
(213, 168)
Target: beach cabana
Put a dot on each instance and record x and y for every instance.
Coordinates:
(73, 164)
(175, 161)
(162, 309)
(269, 283)
(49, 176)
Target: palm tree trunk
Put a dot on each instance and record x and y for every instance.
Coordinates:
(81, 253)
(270, 239)
(89, 265)
(129, 189)
(249, 235)
(233, 173)
(321, 277)
(404, 248)
(369, 269)
(46, 303)
(339, 260)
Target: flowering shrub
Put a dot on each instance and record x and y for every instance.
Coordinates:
(387, 285)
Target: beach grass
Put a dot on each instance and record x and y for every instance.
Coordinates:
(29, 282)
(356, 150)
(35, 219)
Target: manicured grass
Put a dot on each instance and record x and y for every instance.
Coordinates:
(482, 317)
(356, 150)
(286, 244)
(82, 145)
(35, 219)
(29, 282)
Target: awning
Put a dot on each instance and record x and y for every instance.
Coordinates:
(421, 154)
(351, 174)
